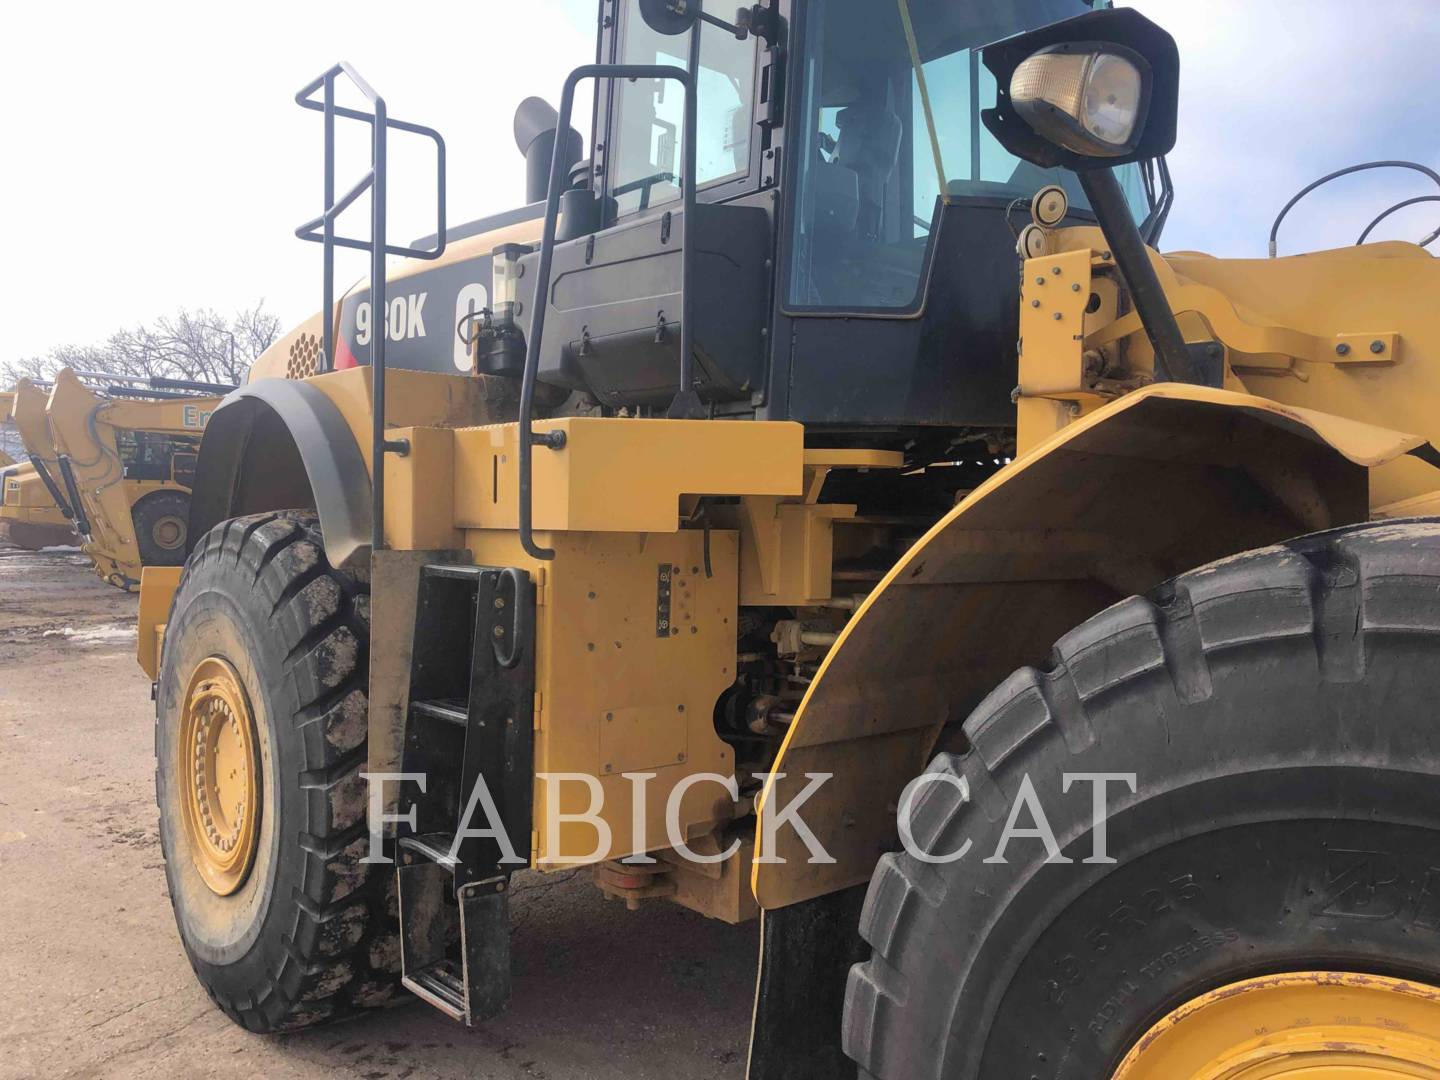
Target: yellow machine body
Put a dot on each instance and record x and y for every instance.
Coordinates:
(1118, 485)
(73, 430)
(29, 516)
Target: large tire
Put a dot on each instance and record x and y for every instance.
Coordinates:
(308, 935)
(1278, 709)
(162, 522)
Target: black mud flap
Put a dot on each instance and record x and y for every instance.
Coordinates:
(806, 951)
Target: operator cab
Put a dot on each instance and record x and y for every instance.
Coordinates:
(855, 234)
(852, 240)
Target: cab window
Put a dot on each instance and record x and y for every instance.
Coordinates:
(647, 142)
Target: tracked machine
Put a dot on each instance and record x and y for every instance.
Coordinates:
(822, 502)
(118, 461)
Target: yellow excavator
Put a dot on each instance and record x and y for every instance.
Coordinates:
(825, 502)
(29, 515)
(119, 463)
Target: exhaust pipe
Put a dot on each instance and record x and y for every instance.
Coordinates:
(535, 132)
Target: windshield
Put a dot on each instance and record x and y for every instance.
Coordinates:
(892, 92)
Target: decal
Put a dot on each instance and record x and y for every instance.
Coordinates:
(406, 318)
(420, 330)
(194, 417)
(471, 299)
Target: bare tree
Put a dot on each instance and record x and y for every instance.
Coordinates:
(201, 345)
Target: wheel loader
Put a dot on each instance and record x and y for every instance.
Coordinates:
(823, 505)
(119, 463)
(29, 517)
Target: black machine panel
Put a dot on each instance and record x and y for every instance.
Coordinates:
(424, 310)
(612, 326)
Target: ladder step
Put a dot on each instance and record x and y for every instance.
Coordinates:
(441, 986)
(450, 710)
(432, 847)
(467, 573)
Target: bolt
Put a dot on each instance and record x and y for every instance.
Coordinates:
(1034, 303)
(1075, 287)
(1377, 346)
(590, 646)
(609, 716)
(499, 603)
(590, 596)
(1055, 270)
(1040, 280)
(694, 629)
(1057, 316)
(1343, 349)
(679, 708)
(679, 757)
(499, 631)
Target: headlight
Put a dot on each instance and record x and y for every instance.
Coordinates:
(1088, 98)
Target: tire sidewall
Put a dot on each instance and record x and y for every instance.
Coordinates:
(1227, 789)
(1281, 734)
(228, 933)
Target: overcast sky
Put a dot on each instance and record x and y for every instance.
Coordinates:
(153, 157)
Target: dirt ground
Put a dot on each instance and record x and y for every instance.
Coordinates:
(93, 982)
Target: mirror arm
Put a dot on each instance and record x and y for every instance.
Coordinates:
(756, 19)
(1107, 200)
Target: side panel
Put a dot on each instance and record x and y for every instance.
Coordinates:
(618, 693)
(1161, 481)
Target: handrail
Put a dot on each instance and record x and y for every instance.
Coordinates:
(686, 403)
(321, 230)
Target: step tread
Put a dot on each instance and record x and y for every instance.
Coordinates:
(440, 986)
(434, 847)
(468, 573)
(450, 710)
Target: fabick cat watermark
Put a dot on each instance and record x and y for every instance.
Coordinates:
(558, 817)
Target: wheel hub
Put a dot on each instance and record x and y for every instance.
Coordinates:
(169, 532)
(220, 767)
(1309, 1025)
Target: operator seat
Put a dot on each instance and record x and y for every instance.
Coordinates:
(869, 145)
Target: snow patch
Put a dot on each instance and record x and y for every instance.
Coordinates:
(95, 635)
(62, 548)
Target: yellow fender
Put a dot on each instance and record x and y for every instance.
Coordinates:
(1155, 483)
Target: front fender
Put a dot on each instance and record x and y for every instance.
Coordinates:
(1160, 481)
(279, 444)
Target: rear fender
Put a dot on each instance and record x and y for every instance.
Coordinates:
(1160, 481)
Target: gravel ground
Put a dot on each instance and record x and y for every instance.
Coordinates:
(93, 981)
